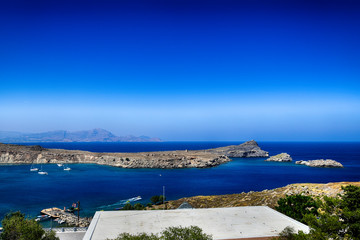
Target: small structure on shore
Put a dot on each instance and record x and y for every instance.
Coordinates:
(66, 217)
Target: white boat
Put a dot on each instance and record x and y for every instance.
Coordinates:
(66, 168)
(41, 172)
(60, 164)
(33, 169)
(41, 218)
(61, 221)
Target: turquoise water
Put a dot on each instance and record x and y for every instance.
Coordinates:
(95, 186)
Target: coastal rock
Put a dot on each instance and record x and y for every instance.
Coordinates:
(321, 163)
(282, 157)
(247, 149)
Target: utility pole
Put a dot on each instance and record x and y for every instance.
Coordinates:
(164, 196)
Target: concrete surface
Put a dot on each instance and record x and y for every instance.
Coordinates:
(221, 223)
(70, 235)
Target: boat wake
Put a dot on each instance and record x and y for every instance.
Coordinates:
(122, 202)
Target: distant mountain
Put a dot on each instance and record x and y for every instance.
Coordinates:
(94, 135)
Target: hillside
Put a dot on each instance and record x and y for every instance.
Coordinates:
(266, 197)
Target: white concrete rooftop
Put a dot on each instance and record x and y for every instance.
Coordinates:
(221, 223)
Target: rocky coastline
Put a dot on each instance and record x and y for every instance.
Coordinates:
(20, 154)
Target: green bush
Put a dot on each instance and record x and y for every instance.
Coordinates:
(297, 206)
(171, 233)
(157, 199)
(335, 218)
(17, 227)
(186, 233)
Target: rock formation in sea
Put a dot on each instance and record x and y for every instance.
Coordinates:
(321, 163)
(282, 157)
(19, 154)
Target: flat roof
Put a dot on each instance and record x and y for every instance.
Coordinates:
(221, 223)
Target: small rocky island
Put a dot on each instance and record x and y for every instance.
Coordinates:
(19, 154)
(321, 163)
(282, 157)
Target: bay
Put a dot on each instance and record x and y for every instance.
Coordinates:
(97, 186)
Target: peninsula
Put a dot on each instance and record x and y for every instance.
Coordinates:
(19, 154)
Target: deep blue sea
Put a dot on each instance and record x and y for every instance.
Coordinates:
(97, 186)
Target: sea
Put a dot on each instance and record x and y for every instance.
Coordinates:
(107, 188)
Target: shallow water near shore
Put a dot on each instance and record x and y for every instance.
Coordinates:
(96, 186)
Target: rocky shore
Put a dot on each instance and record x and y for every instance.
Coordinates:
(19, 154)
(321, 163)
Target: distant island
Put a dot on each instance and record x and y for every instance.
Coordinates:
(94, 135)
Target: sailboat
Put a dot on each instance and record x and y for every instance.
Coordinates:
(66, 168)
(33, 169)
(41, 172)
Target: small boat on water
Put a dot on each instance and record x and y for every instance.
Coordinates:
(41, 172)
(33, 169)
(60, 164)
(59, 221)
(66, 168)
(41, 218)
(135, 199)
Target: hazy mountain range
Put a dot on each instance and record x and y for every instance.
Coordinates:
(94, 135)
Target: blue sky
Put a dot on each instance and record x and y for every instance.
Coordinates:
(183, 70)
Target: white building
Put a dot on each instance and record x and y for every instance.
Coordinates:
(222, 223)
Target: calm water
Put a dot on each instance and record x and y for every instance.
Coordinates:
(96, 186)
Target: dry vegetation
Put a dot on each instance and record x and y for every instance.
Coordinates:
(266, 197)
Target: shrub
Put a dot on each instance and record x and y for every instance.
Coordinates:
(297, 206)
(171, 233)
(17, 227)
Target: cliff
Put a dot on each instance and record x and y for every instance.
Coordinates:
(19, 154)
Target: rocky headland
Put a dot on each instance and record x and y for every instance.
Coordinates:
(19, 154)
(321, 163)
(282, 157)
(247, 149)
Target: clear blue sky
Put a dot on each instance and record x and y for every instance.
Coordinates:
(183, 69)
